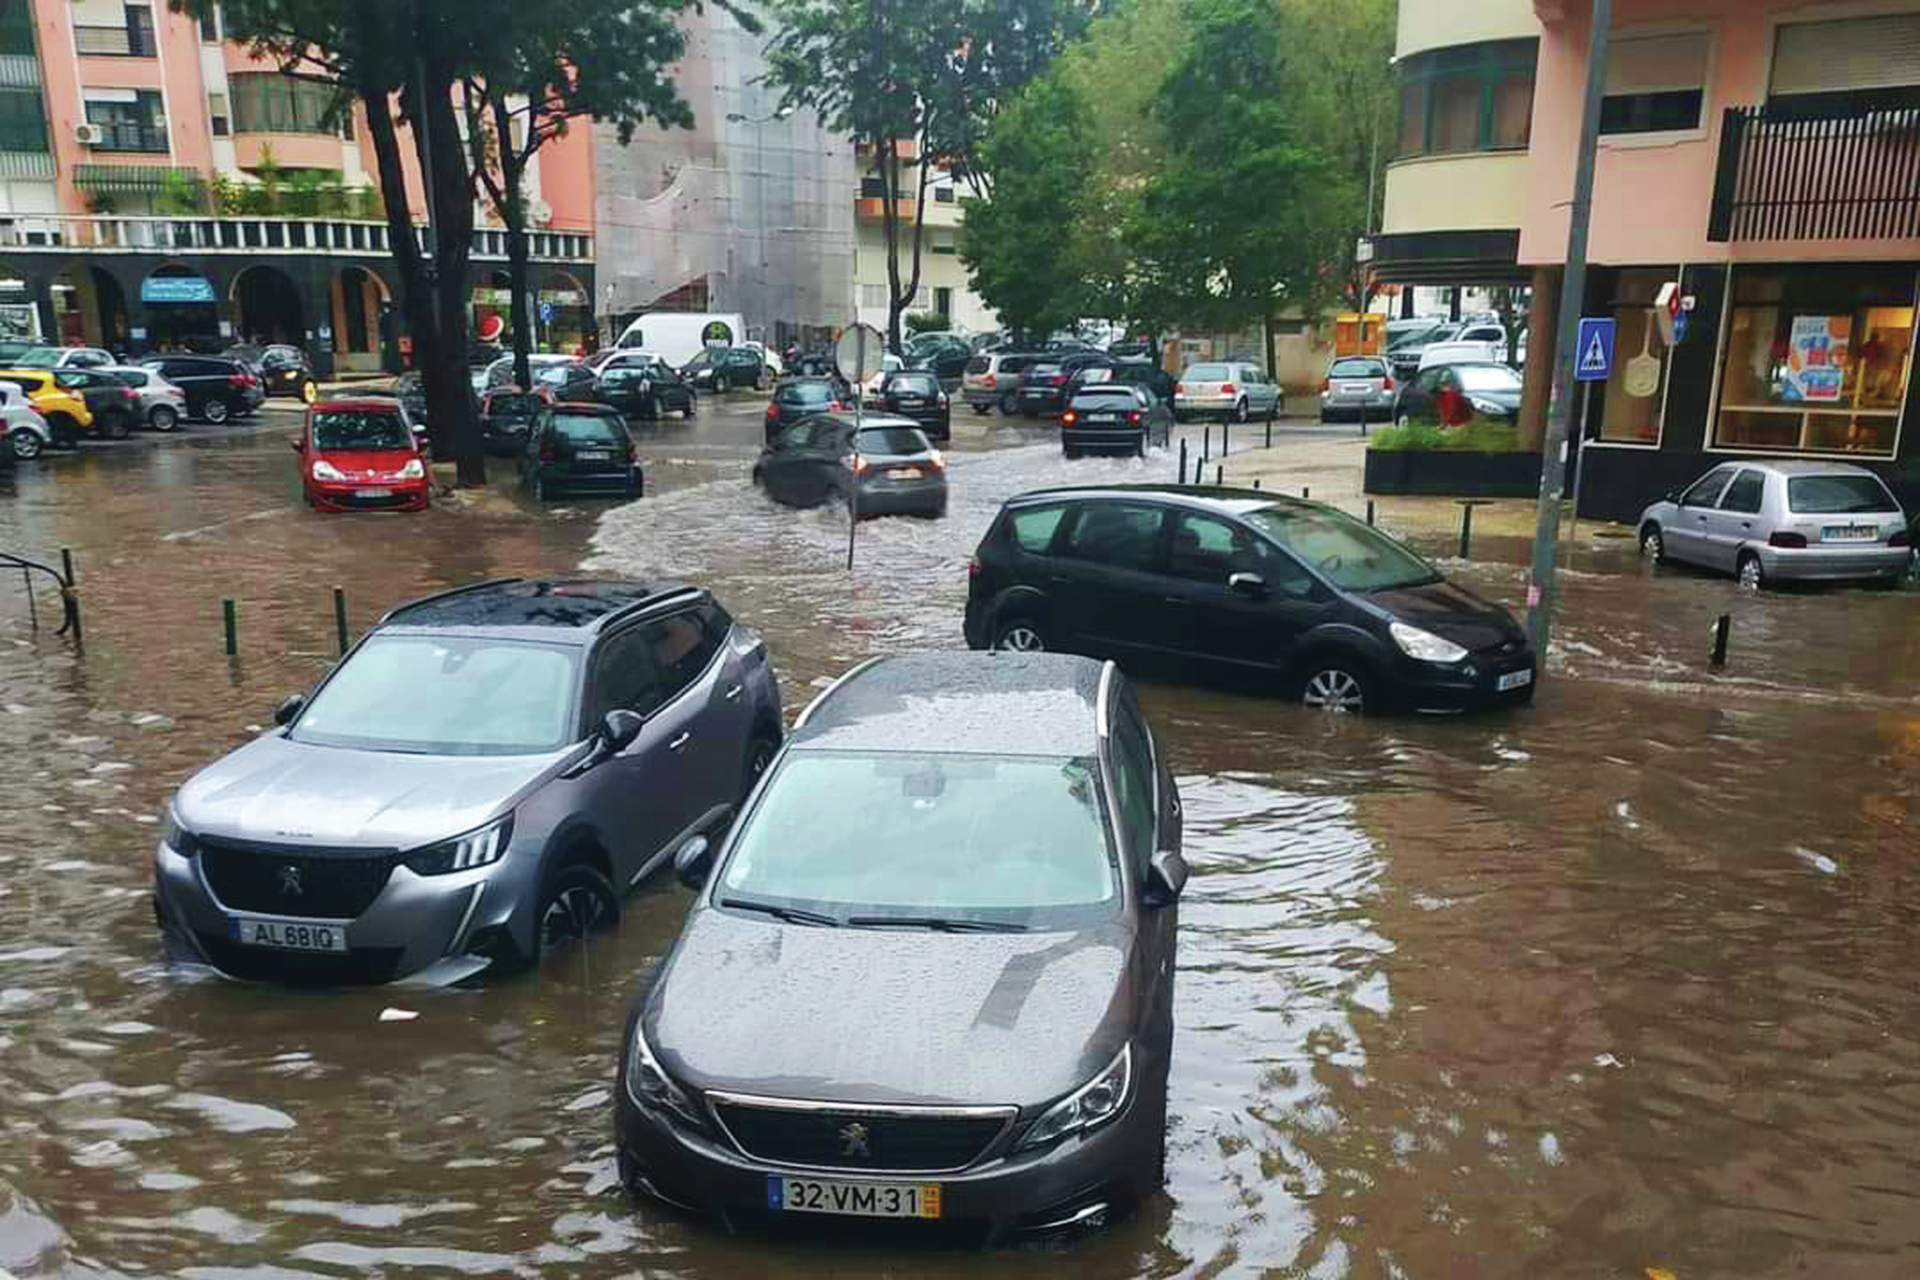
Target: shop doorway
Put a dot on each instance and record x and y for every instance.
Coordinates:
(360, 305)
(183, 312)
(268, 306)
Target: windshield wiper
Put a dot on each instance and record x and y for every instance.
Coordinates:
(792, 915)
(939, 924)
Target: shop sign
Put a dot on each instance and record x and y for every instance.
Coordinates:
(176, 289)
(1816, 358)
(718, 333)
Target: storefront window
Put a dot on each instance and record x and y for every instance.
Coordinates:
(1639, 379)
(1817, 359)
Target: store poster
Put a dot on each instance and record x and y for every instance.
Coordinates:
(1816, 358)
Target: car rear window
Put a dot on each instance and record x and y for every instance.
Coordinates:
(360, 429)
(1207, 373)
(1033, 529)
(513, 406)
(1487, 377)
(1837, 495)
(1356, 369)
(1044, 367)
(892, 440)
(805, 393)
(1014, 364)
(979, 364)
(1106, 398)
(587, 426)
(913, 384)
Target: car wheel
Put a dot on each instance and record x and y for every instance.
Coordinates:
(214, 411)
(1752, 575)
(979, 410)
(1240, 410)
(719, 384)
(163, 418)
(26, 445)
(1335, 686)
(1008, 405)
(1653, 547)
(577, 902)
(65, 429)
(1020, 635)
(309, 391)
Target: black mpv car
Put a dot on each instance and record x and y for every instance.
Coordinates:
(1346, 617)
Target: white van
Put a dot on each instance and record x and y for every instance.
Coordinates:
(679, 336)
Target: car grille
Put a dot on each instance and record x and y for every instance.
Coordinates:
(337, 886)
(373, 504)
(365, 966)
(821, 1139)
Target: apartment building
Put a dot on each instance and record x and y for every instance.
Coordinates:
(161, 188)
(944, 286)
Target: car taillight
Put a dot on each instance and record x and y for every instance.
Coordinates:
(1068, 418)
(1900, 539)
(773, 411)
(128, 393)
(1179, 388)
(834, 406)
(987, 382)
(1782, 538)
(239, 380)
(855, 463)
(1059, 379)
(937, 460)
(1134, 416)
(1228, 389)
(1386, 383)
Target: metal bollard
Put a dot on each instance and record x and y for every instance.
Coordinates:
(1256, 482)
(1466, 532)
(1269, 427)
(340, 617)
(1183, 459)
(69, 600)
(1306, 493)
(230, 616)
(1226, 438)
(1219, 475)
(1722, 631)
(1206, 442)
(1369, 510)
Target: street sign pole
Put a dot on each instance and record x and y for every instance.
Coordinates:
(858, 357)
(1543, 587)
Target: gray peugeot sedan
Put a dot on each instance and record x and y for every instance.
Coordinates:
(929, 974)
(476, 782)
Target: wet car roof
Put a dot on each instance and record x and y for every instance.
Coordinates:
(1204, 497)
(1041, 704)
(545, 604)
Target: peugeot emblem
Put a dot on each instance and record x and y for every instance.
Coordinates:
(290, 879)
(853, 1141)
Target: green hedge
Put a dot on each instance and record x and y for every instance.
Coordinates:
(1427, 437)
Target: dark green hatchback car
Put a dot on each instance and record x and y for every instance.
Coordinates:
(573, 448)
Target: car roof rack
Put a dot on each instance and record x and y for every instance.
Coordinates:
(671, 595)
(391, 614)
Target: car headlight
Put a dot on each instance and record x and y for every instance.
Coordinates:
(1487, 407)
(479, 848)
(176, 836)
(324, 470)
(1091, 1105)
(652, 1089)
(413, 470)
(1424, 645)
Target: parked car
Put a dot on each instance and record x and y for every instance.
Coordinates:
(572, 381)
(161, 404)
(1404, 351)
(889, 364)
(885, 468)
(918, 395)
(1146, 375)
(771, 359)
(13, 350)
(500, 372)
(647, 391)
(718, 369)
(1232, 390)
(1783, 521)
(1357, 388)
(992, 381)
(930, 973)
(1436, 353)
(621, 358)
(27, 433)
(1453, 395)
(1043, 389)
(51, 357)
(216, 389)
(506, 415)
(1340, 615)
(574, 446)
(946, 354)
(360, 455)
(1113, 417)
(799, 398)
(115, 406)
(65, 412)
(475, 783)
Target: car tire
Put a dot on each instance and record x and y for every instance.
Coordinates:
(575, 902)
(1019, 635)
(215, 411)
(1070, 453)
(1653, 546)
(634, 486)
(163, 418)
(979, 410)
(1009, 405)
(1336, 685)
(309, 391)
(1240, 410)
(1753, 574)
(26, 444)
(65, 430)
(719, 384)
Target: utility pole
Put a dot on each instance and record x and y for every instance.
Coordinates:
(1544, 586)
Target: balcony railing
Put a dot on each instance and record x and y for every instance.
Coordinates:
(128, 136)
(108, 233)
(1831, 167)
(115, 42)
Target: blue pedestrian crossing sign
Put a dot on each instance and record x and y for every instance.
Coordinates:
(1593, 353)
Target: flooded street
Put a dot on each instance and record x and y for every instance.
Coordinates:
(1626, 980)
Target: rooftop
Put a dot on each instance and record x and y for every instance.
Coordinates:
(1039, 704)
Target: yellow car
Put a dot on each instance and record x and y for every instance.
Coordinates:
(65, 411)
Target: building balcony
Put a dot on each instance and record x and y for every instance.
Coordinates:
(127, 136)
(874, 209)
(115, 42)
(108, 233)
(19, 71)
(1825, 167)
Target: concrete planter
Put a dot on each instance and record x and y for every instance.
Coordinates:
(1442, 474)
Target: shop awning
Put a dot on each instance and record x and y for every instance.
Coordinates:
(130, 179)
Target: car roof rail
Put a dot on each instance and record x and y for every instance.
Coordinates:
(671, 595)
(391, 614)
(1102, 718)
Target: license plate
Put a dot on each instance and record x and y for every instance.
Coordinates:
(595, 455)
(1357, 388)
(1513, 680)
(373, 493)
(906, 473)
(909, 402)
(856, 1199)
(1101, 417)
(288, 937)
(1850, 533)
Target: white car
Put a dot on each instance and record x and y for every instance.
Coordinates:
(768, 357)
(162, 404)
(500, 372)
(624, 358)
(889, 363)
(1233, 390)
(27, 433)
(1463, 353)
(51, 357)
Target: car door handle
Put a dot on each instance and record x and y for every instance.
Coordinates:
(680, 741)
(734, 692)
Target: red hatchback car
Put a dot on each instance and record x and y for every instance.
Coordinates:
(359, 455)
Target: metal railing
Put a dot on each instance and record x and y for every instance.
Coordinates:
(62, 578)
(108, 232)
(129, 136)
(115, 42)
(1826, 167)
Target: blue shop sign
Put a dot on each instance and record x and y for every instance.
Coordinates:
(175, 289)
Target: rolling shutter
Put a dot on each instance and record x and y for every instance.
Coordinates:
(1853, 53)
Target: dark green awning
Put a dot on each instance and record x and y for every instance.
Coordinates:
(130, 178)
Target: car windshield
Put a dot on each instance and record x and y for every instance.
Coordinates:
(553, 374)
(1839, 495)
(41, 357)
(1207, 373)
(892, 440)
(1015, 840)
(587, 428)
(806, 393)
(1356, 369)
(1349, 554)
(1487, 377)
(913, 384)
(456, 696)
(360, 429)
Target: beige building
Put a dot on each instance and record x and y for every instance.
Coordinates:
(944, 288)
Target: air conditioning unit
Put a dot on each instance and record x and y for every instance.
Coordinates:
(89, 135)
(541, 213)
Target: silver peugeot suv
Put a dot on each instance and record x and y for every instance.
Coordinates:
(476, 782)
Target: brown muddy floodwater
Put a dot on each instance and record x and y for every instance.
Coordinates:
(1624, 981)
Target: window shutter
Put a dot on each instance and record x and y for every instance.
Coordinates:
(1657, 64)
(1852, 53)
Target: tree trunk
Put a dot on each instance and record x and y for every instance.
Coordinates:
(1536, 387)
(1273, 362)
(416, 295)
(513, 211)
(455, 427)
(890, 227)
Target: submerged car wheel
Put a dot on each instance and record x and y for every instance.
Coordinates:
(1752, 575)
(164, 418)
(1008, 405)
(1335, 687)
(577, 902)
(26, 445)
(1019, 635)
(1653, 547)
(214, 411)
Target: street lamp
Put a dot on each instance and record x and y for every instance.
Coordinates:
(760, 187)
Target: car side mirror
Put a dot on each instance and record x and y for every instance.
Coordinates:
(693, 861)
(619, 728)
(297, 444)
(1251, 585)
(1166, 879)
(1673, 496)
(286, 711)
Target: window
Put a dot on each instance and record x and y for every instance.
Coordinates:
(1707, 489)
(682, 647)
(873, 188)
(1033, 530)
(1852, 53)
(1816, 359)
(1133, 785)
(23, 125)
(129, 119)
(943, 300)
(1476, 97)
(1357, 369)
(1352, 555)
(625, 677)
(1208, 550)
(873, 296)
(1655, 84)
(1839, 495)
(268, 102)
(1120, 535)
(1744, 494)
(1633, 392)
(210, 25)
(220, 114)
(943, 195)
